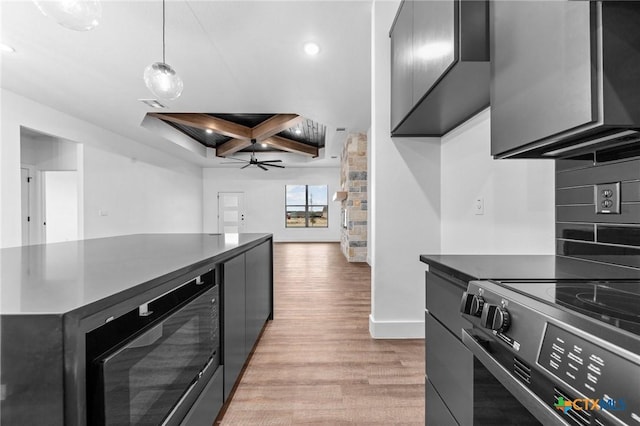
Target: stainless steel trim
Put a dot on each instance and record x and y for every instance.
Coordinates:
(589, 142)
(167, 419)
(178, 405)
(543, 412)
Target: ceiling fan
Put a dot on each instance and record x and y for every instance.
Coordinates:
(253, 161)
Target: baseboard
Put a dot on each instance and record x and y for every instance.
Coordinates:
(396, 329)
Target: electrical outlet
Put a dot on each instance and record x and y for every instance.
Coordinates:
(479, 206)
(607, 198)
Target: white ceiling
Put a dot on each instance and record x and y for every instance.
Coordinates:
(233, 56)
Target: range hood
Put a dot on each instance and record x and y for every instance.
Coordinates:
(564, 90)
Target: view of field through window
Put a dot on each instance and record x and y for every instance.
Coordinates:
(307, 206)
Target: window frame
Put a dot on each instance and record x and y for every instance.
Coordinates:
(307, 208)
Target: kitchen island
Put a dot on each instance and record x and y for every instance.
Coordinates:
(53, 296)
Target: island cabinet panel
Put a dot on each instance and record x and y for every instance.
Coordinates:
(542, 70)
(234, 321)
(38, 341)
(247, 305)
(258, 291)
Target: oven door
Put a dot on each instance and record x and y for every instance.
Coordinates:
(145, 380)
(537, 411)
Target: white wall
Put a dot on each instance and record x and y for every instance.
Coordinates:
(48, 153)
(264, 198)
(518, 196)
(404, 202)
(422, 200)
(140, 189)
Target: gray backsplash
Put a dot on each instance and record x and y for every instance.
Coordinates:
(580, 231)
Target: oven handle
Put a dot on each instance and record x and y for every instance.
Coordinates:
(543, 412)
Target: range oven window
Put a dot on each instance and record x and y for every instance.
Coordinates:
(141, 366)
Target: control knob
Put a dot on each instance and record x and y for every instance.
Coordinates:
(476, 305)
(495, 318)
(471, 304)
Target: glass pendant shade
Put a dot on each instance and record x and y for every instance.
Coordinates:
(78, 15)
(163, 81)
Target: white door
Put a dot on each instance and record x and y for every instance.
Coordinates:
(60, 206)
(230, 212)
(25, 215)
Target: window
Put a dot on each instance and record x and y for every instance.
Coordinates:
(307, 206)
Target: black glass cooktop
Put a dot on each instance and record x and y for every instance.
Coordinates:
(613, 302)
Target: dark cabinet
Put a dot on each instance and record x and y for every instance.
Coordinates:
(439, 65)
(234, 325)
(248, 304)
(258, 291)
(449, 364)
(563, 76)
(401, 64)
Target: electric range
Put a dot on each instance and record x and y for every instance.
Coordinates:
(569, 351)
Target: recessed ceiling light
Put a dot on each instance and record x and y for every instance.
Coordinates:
(152, 103)
(209, 131)
(311, 48)
(264, 145)
(298, 132)
(6, 48)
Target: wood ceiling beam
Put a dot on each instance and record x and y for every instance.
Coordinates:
(204, 121)
(231, 147)
(290, 145)
(274, 125)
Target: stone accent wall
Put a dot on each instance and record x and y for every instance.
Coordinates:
(354, 180)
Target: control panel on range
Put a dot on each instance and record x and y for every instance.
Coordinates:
(610, 382)
(584, 377)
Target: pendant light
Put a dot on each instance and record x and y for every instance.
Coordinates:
(161, 79)
(78, 15)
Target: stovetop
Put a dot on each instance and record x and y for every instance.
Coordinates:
(616, 303)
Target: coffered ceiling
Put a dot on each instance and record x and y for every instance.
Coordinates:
(236, 58)
(231, 133)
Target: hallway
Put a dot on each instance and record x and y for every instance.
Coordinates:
(316, 362)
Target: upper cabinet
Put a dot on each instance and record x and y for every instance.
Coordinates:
(439, 65)
(564, 77)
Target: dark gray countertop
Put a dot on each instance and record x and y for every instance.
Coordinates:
(532, 267)
(63, 277)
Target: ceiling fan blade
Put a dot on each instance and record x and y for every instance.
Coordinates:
(271, 161)
(244, 167)
(274, 165)
(262, 167)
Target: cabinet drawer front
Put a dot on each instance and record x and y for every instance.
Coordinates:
(436, 412)
(450, 370)
(443, 302)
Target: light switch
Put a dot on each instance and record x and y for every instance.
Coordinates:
(479, 206)
(607, 198)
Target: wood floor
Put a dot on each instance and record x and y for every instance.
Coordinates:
(316, 362)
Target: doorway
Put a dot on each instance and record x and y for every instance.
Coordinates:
(231, 215)
(51, 188)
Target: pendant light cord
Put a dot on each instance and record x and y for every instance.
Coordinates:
(163, 26)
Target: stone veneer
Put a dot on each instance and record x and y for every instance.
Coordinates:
(353, 179)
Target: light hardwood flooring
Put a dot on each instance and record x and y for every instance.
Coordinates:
(316, 362)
